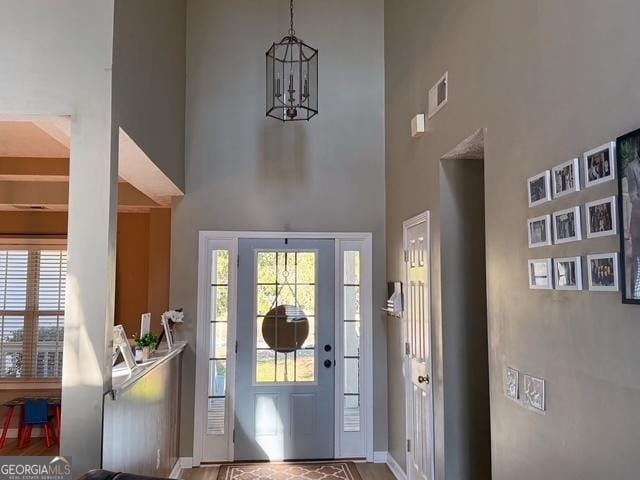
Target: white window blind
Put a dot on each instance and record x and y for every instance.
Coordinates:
(32, 296)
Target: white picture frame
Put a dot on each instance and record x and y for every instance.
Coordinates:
(597, 159)
(562, 226)
(539, 231)
(567, 273)
(539, 189)
(566, 178)
(611, 281)
(607, 224)
(540, 273)
(168, 334)
(121, 342)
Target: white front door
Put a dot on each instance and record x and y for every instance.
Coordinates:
(417, 362)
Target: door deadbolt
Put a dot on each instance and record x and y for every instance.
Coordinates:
(423, 379)
(328, 363)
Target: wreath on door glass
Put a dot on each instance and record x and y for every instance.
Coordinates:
(285, 328)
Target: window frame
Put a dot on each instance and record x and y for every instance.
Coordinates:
(33, 243)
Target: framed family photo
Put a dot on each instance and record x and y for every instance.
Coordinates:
(540, 276)
(566, 178)
(628, 163)
(566, 225)
(539, 189)
(568, 273)
(600, 164)
(539, 231)
(601, 217)
(603, 272)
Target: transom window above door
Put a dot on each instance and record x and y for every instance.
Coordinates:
(285, 299)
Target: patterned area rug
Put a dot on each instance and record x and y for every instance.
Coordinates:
(291, 471)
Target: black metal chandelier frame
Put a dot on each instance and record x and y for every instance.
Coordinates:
(292, 78)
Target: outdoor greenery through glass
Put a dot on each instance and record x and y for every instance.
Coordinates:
(286, 278)
(218, 342)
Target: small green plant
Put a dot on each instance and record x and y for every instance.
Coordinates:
(150, 340)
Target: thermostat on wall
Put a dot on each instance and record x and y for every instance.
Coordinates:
(417, 125)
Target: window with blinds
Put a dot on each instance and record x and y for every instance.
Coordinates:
(32, 295)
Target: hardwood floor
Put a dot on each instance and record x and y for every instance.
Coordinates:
(368, 471)
(35, 448)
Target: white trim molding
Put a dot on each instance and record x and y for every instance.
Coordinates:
(380, 457)
(346, 445)
(395, 468)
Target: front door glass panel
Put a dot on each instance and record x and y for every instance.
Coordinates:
(285, 347)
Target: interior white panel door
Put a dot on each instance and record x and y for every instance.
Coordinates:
(417, 364)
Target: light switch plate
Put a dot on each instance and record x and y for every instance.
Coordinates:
(533, 393)
(512, 383)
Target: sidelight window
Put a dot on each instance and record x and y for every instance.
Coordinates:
(219, 317)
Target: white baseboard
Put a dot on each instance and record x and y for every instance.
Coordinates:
(181, 464)
(395, 468)
(380, 457)
(177, 469)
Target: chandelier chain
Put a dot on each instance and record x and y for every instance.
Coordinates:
(291, 30)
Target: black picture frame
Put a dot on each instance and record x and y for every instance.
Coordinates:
(628, 151)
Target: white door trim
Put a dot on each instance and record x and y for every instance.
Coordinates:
(424, 217)
(209, 240)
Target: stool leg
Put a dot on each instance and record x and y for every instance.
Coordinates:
(5, 428)
(20, 422)
(58, 423)
(47, 435)
(26, 436)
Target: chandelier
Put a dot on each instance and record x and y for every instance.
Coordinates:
(292, 78)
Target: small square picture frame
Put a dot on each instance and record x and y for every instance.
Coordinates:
(601, 217)
(599, 164)
(566, 178)
(539, 231)
(602, 270)
(567, 227)
(539, 189)
(567, 273)
(540, 273)
(512, 383)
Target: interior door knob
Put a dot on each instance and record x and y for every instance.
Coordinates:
(423, 379)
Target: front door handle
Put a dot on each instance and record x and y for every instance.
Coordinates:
(423, 379)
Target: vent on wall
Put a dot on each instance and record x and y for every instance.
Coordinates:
(438, 95)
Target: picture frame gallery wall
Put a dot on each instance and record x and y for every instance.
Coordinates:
(613, 215)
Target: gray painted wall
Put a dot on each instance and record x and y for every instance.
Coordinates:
(246, 172)
(548, 80)
(149, 79)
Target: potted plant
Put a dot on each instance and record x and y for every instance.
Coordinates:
(146, 344)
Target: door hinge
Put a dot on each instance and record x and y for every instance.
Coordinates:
(407, 348)
(233, 436)
(406, 255)
(408, 445)
(236, 346)
(238, 261)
